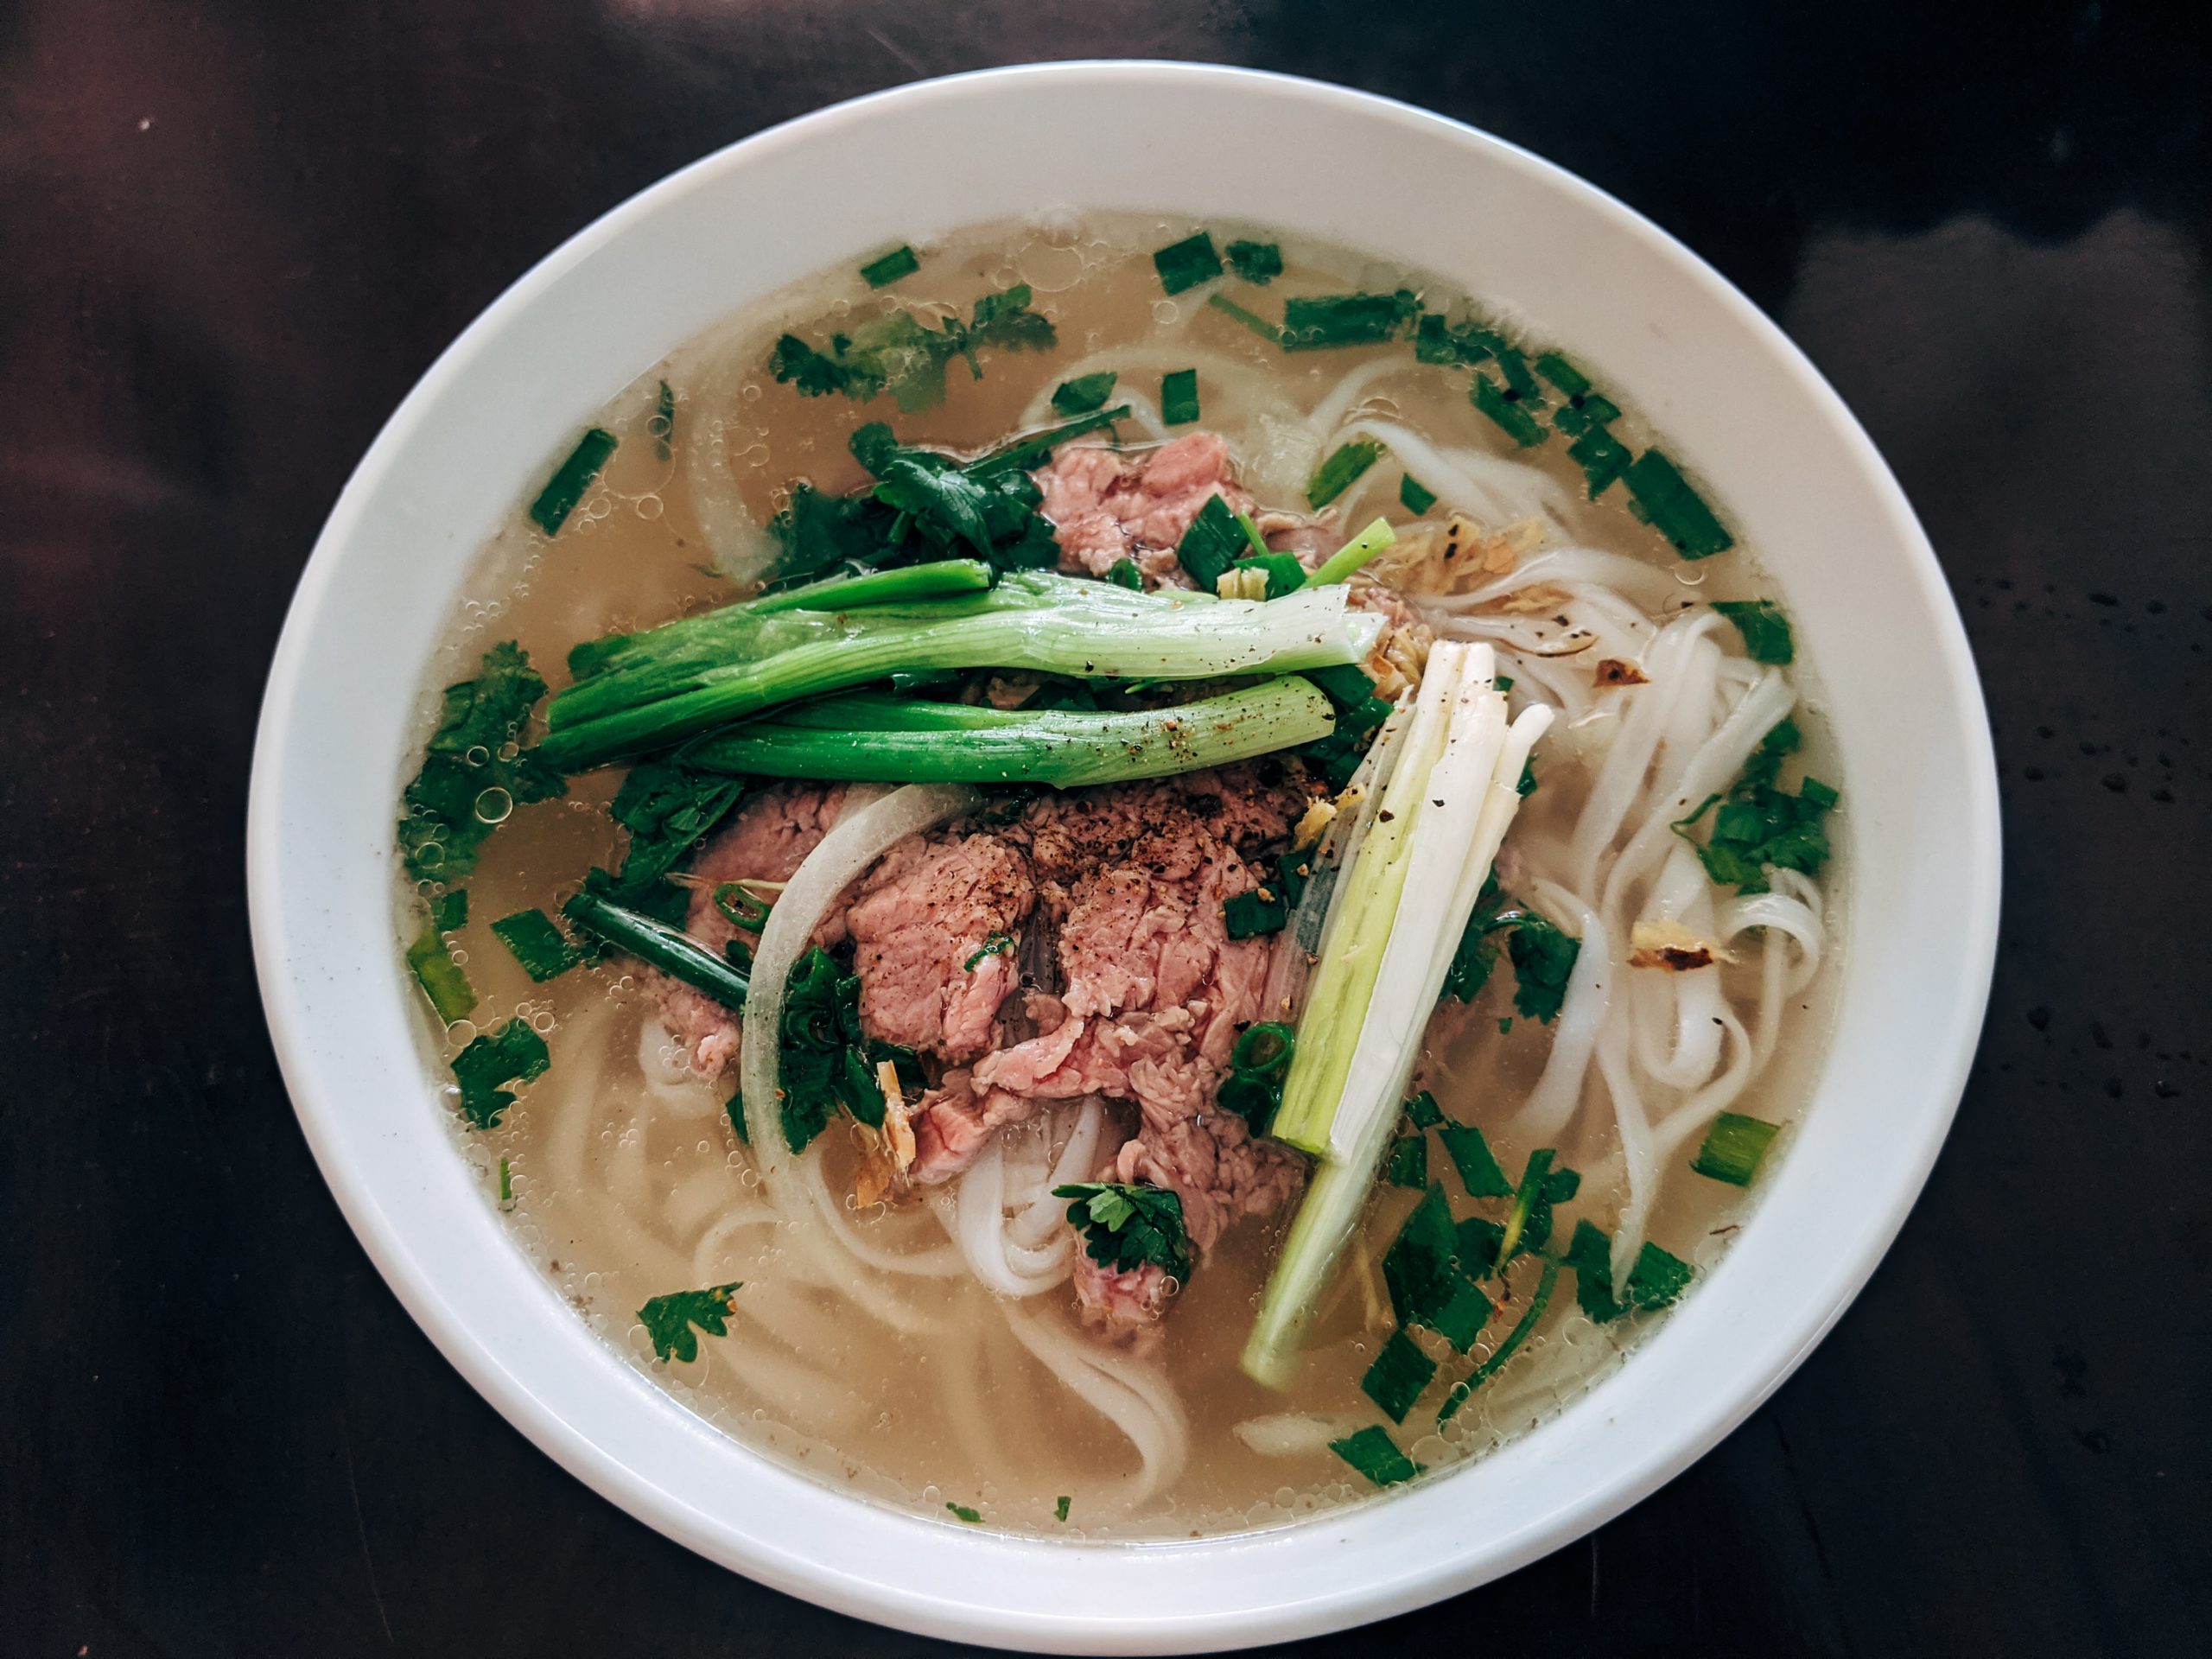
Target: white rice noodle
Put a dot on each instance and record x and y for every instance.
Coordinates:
(1494, 490)
(1581, 1015)
(1638, 1154)
(1130, 1394)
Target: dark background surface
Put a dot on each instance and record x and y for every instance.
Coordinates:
(231, 238)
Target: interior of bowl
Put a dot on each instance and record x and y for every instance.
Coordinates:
(1734, 398)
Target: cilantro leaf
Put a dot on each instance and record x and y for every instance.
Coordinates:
(511, 1053)
(466, 760)
(906, 356)
(1084, 393)
(1544, 961)
(826, 1062)
(1123, 1227)
(669, 1319)
(1760, 827)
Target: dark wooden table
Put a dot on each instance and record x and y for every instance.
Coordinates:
(231, 238)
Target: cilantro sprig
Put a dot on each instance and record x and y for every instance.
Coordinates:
(1125, 1226)
(670, 1320)
(1543, 955)
(903, 355)
(473, 773)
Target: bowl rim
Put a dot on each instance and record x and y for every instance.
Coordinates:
(948, 1615)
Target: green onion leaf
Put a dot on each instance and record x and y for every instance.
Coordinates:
(1252, 320)
(570, 480)
(1421, 1268)
(1178, 397)
(901, 261)
(1602, 457)
(1249, 915)
(998, 944)
(1186, 264)
(1654, 1281)
(1766, 629)
(1123, 573)
(669, 1319)
(1505, 1350)
(1408, 1165)
(654, 942)
(1399, 1374)
(1354, 554)
(1060, 1507)
(965, 1514)
(506, 1184)
(1084, 393)
(1345, 320)
(439, 975)
(1336, 474)
(1414, 498)
(1284, 573)
(1256, 262)
(511, 1053)
(1662, 498)
(1525, 1198)
(1211, 546)
(1470, 1155)
(1424, 1111)
(1462, 1318)
(1562, 374)
(1499, 404)
(1733, 1147)
(736, 1111)
(544, 951)
(1376, 1456)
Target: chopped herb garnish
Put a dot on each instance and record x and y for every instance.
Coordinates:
(1525, 1198)
(511, 1053)
(1084, 393)
(902, 355)
(1436, 340)
(1562, 374)
(439, 975)
(1124, 1226)
(1544, 961)
(544, 951)
(1499, 404)
(1257, 1066)
(1584, 412)
(472, 775)
(1654, 1281)
(1060, 1507)
(1376, 1456)
(1256, 262)
(826, 1062)
(1284, 574)
(1412, 497)
(1505, 1350)
(1759, 826)
(1470, 1155)
(741, 907)
(1178, 397)
(1733, 1147)
(1602, 457)
(1249, 915)
(1212, 544)
(1766, 629)
(1186, 264)
(1399, 1374)
(998, 944)
(1424, 1111)
(570, 480)
(965, 1515)
(901, 261)
(669, 1319)
(1336, 474)
(506, 1184)
(1662, 498)
(1409, 1162)
(662, 425)
(1525, 785)
(1123, 573)
(1421, 1268)
(1346, 319)
(660, 944)
(1252, 320)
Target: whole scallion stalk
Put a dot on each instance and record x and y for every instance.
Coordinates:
(893, 740)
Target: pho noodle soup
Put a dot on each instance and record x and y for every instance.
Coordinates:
(1121, 879)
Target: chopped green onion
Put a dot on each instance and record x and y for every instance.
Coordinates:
(1211, 546)
(1602, 457)
(506, 1184)
(1505, 1350)
(1123, 573)
(1354, 554)
(1421, 1268)
(1464, 1314)
(1424, 1111)
(1284, 574)
(1345, 320)
(901, 261)
(1060, 1507)
(1399, 1374)
(1470, 1155)
(1256, 262)
(1662, 498)
(1026, 455)
(1252, 320)
(1733, 1147)
(998, 944)
(1186, 264)
(511, 1053)
(1249, 915)
(1336, 474)
(1178, 397)
(1495, 402)
(965, 1515)
(1657, 1278)
(451, 995)
(1562, 374)
(1409, 1162)
(1376, 1456)
(542, 949)
(570, 480)
(1084, 393)
(1524, 1200)
(672, 950)
(1415, 499)
(939, 579)
(1766, 629)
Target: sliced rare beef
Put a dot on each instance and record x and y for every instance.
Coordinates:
(935, 944)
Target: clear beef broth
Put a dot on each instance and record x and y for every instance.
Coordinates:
(626, 1181)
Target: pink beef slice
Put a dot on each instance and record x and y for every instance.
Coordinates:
(928, 910)
(766, 841)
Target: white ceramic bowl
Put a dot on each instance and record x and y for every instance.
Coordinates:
(1731, 396)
